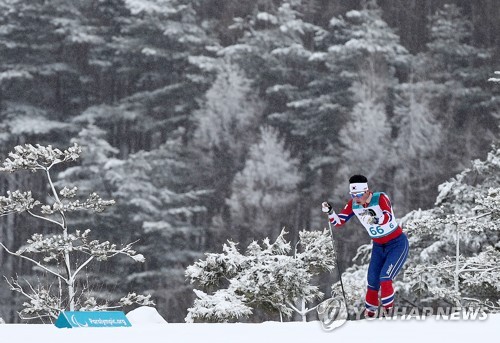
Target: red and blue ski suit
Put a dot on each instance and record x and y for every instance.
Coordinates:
(389, 250)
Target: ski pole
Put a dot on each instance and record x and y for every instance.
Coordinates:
(335, 249)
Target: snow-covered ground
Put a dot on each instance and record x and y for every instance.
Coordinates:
(429, 330)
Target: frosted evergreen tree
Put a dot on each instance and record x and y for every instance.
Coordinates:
(159, 208)
(466, 106)
(96, 151)
(366, 54)
(366, 49)
(34, 78)
(62, 256)
(367, 127)
(148, 85)
(276, 47)
(269, 276)
(273, 32)
(230, 114)
(225, 126)
(418, 142)
(458, 240)
(265, 191)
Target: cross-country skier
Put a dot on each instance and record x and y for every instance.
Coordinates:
(390, 244)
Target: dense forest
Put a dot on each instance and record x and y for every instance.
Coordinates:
(209, 120)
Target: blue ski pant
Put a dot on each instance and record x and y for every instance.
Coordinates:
(387, 260)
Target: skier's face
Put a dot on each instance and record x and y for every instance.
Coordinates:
(361, 198)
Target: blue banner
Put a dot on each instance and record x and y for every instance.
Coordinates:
(80, 319)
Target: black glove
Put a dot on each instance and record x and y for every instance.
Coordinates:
(326, 208)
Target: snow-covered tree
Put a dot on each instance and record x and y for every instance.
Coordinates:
(366, 137)
(277, 48)
(367, 54)
(226, 125)
(269, 276)
(229, 117)
(458, 240)
(160, 205)
(264, 192)
(418, 143)
(464, 104)
(64, 255)
(365, 49)
(89, 174)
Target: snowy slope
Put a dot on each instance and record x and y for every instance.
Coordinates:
(430, 330)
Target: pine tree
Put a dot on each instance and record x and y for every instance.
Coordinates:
(159, 208)
(265, 191)
(64, 256)
(276, 48)
(266, 277)
(456, 259)
(418, 143)
(464, 104)
(230, 114)
(367, 54)
(225, 126)
(146, 73)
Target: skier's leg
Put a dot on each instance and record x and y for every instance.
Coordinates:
(373, 277)
(387, 294)
(371, 302)
(397, 252)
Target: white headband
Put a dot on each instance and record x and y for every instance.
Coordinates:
(358, 187)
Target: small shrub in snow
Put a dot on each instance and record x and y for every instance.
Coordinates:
(267, 277)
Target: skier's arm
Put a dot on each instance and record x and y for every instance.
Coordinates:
(344, 215)
(385, 205)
